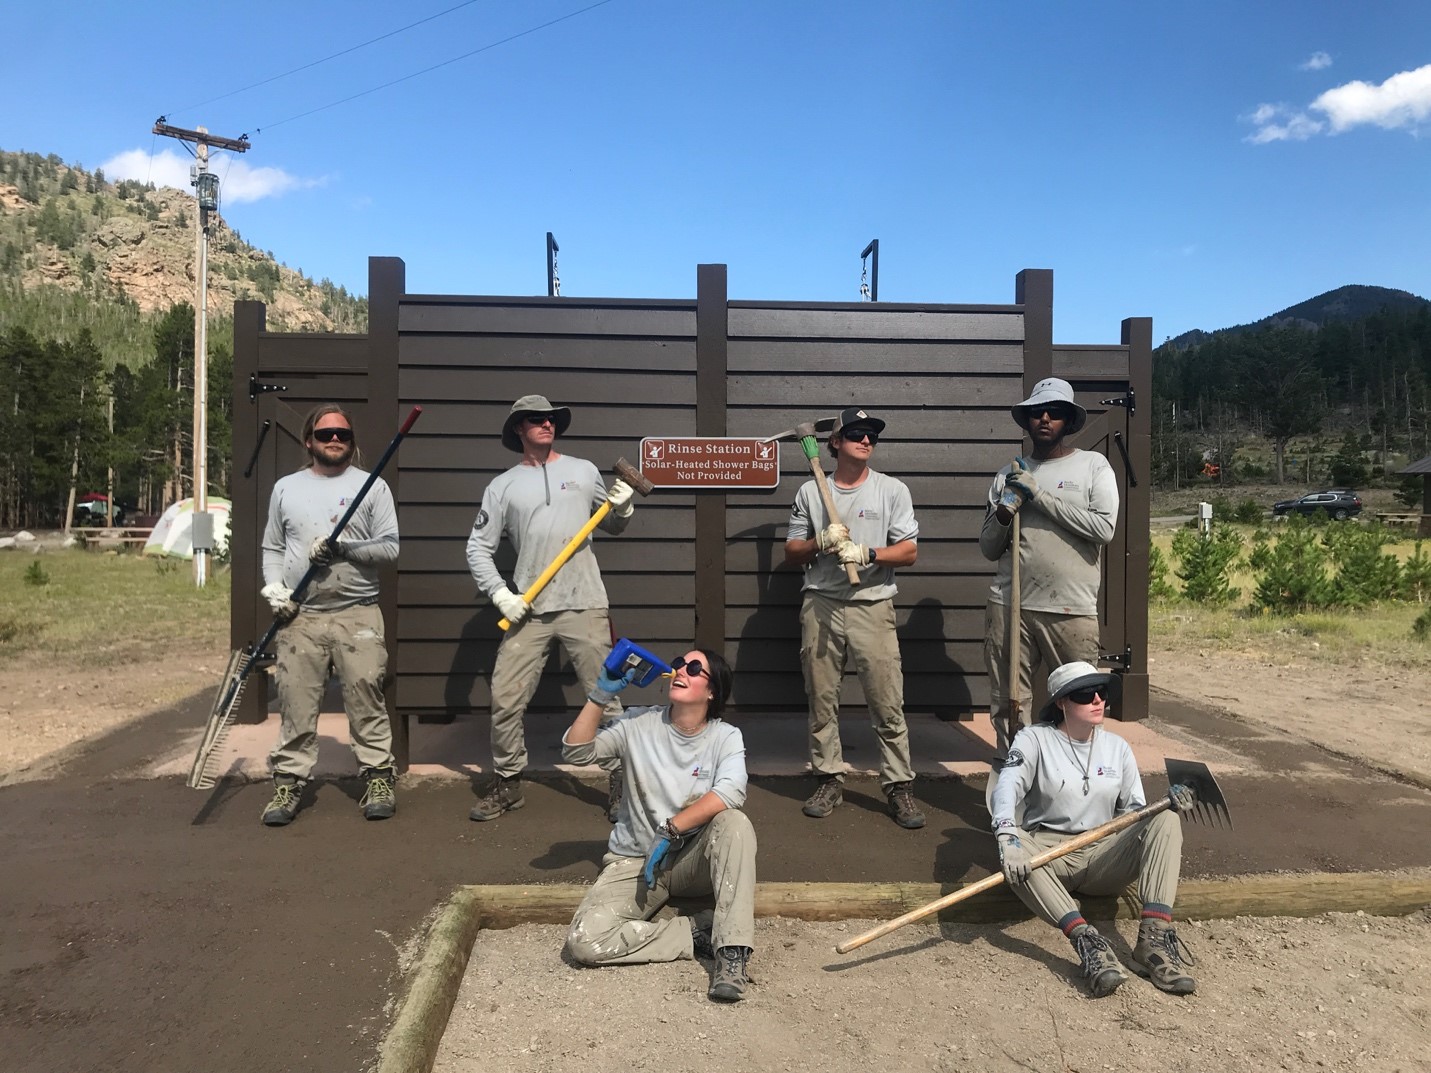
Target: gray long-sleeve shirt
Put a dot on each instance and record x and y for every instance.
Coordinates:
(664, 770)
(1045, 773)
(1064, 529)
(539, 509)
(307, 505)
(878, 512)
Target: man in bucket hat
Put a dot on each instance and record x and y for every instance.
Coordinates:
(1067, 775)
(838, 621)
(1067, 503)
(540, 504)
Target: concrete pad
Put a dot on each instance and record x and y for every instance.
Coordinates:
(776, 745)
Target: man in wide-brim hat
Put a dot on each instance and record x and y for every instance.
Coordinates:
(540, 504)
(1067, 775)
(1067, 503)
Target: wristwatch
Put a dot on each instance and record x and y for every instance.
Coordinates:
(873, 557)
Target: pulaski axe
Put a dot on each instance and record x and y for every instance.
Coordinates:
(805, 433)
(1211, 808)
(628, 473)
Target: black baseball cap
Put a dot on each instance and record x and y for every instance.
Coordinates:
(857, 417)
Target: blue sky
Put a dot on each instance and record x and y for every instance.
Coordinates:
(1203, 164)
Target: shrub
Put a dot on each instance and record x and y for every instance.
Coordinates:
(1207, 564)
(1159, 587)
(1416, 576)
(36, 574)
(1295, 575)
(1408, 492)
(1248, 512)
(1365, 574)
(1421, 628)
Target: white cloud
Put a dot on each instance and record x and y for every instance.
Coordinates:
(1317, 61)
(240, 180)
(1403, 100)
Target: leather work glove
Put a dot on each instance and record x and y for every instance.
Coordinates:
(608, 685)
(324, 551)
(1182, 797)
(668, 841)
(620, 497)
(280, 599)
(1014, 860)
(831, 537)
(852, 554)
(512, 606)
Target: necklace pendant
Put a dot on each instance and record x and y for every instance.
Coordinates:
(1085, 786)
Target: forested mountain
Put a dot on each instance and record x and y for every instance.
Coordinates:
(1362, 380)
(96, 292)
(1352, 302)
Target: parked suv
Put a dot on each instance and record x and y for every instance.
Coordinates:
(1339, 503)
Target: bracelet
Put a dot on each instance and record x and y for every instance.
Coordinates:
(873, 557)
(669, 830)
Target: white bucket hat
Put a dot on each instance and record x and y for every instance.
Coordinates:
(1072, 677)
(1047, 392)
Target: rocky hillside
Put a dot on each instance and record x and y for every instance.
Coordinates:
(76, 247)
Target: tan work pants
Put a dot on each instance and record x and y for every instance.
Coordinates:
(586, 638)
(1150, 852)
(613, 924)
(1047, 641)
(830, 632)
(349, 643)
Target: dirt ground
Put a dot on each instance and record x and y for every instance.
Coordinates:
(1340, 992)
(142, 924)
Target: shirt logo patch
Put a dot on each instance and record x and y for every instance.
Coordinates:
(872, 515)
(1069, 486)
(1109, 771)
(696, 772)
(482, 520)
(1015, 758)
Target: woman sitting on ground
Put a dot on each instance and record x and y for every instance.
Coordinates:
(1067, 775)
(679, 830)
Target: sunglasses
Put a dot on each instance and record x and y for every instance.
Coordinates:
(328, 435)
(1087, 696)
(540, 419)
(859, 435)
(1055, 413)
(695, 666)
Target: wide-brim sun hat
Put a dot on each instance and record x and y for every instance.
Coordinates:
(532, 404)
(1046, 393)
(1070, 678)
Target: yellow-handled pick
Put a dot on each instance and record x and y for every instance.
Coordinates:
(628, 473)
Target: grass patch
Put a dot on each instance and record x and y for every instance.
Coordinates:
(103, 609)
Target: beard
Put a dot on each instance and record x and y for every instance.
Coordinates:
(321, 456)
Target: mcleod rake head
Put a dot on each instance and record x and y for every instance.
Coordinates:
(202, 775)
(1211, 804)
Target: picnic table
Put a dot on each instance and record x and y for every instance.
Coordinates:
(134, 536)
(1399, 517)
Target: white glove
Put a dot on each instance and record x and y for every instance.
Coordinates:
(322, 551)
(512, 606)
(852, 554)
(619, 496)
(280, 599)
(1020, 482)
(1014, 859)
(831, 537)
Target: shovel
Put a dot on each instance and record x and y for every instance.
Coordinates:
(1211, 808)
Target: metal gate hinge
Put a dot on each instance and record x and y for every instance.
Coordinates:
(1124, 400)
(256, 387)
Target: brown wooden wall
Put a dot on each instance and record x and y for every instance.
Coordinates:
(703, 565)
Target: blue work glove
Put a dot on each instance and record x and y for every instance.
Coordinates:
(1182, 797)
(668, 841)
(608, 685)
(1020, 482)
(1013, 859)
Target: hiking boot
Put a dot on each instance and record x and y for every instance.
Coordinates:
(826, 797)
(615, 787)
(701, 925)
(902, 807)
(284, 806)
(379, 802)
(1159, 957)
(731, 976)
(504, 796)
(1105, 975)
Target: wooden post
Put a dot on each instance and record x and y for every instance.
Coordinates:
(712, 335)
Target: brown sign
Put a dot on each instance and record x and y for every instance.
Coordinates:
(709, 462)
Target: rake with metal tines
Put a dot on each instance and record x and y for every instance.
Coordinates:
(1211, 808)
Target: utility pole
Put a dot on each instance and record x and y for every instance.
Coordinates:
(206, 188)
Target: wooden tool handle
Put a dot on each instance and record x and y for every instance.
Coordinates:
(812, 453)
(990, 882)
(1016, 636)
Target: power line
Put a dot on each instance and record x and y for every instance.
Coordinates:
(325, 59)
(434, 67)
